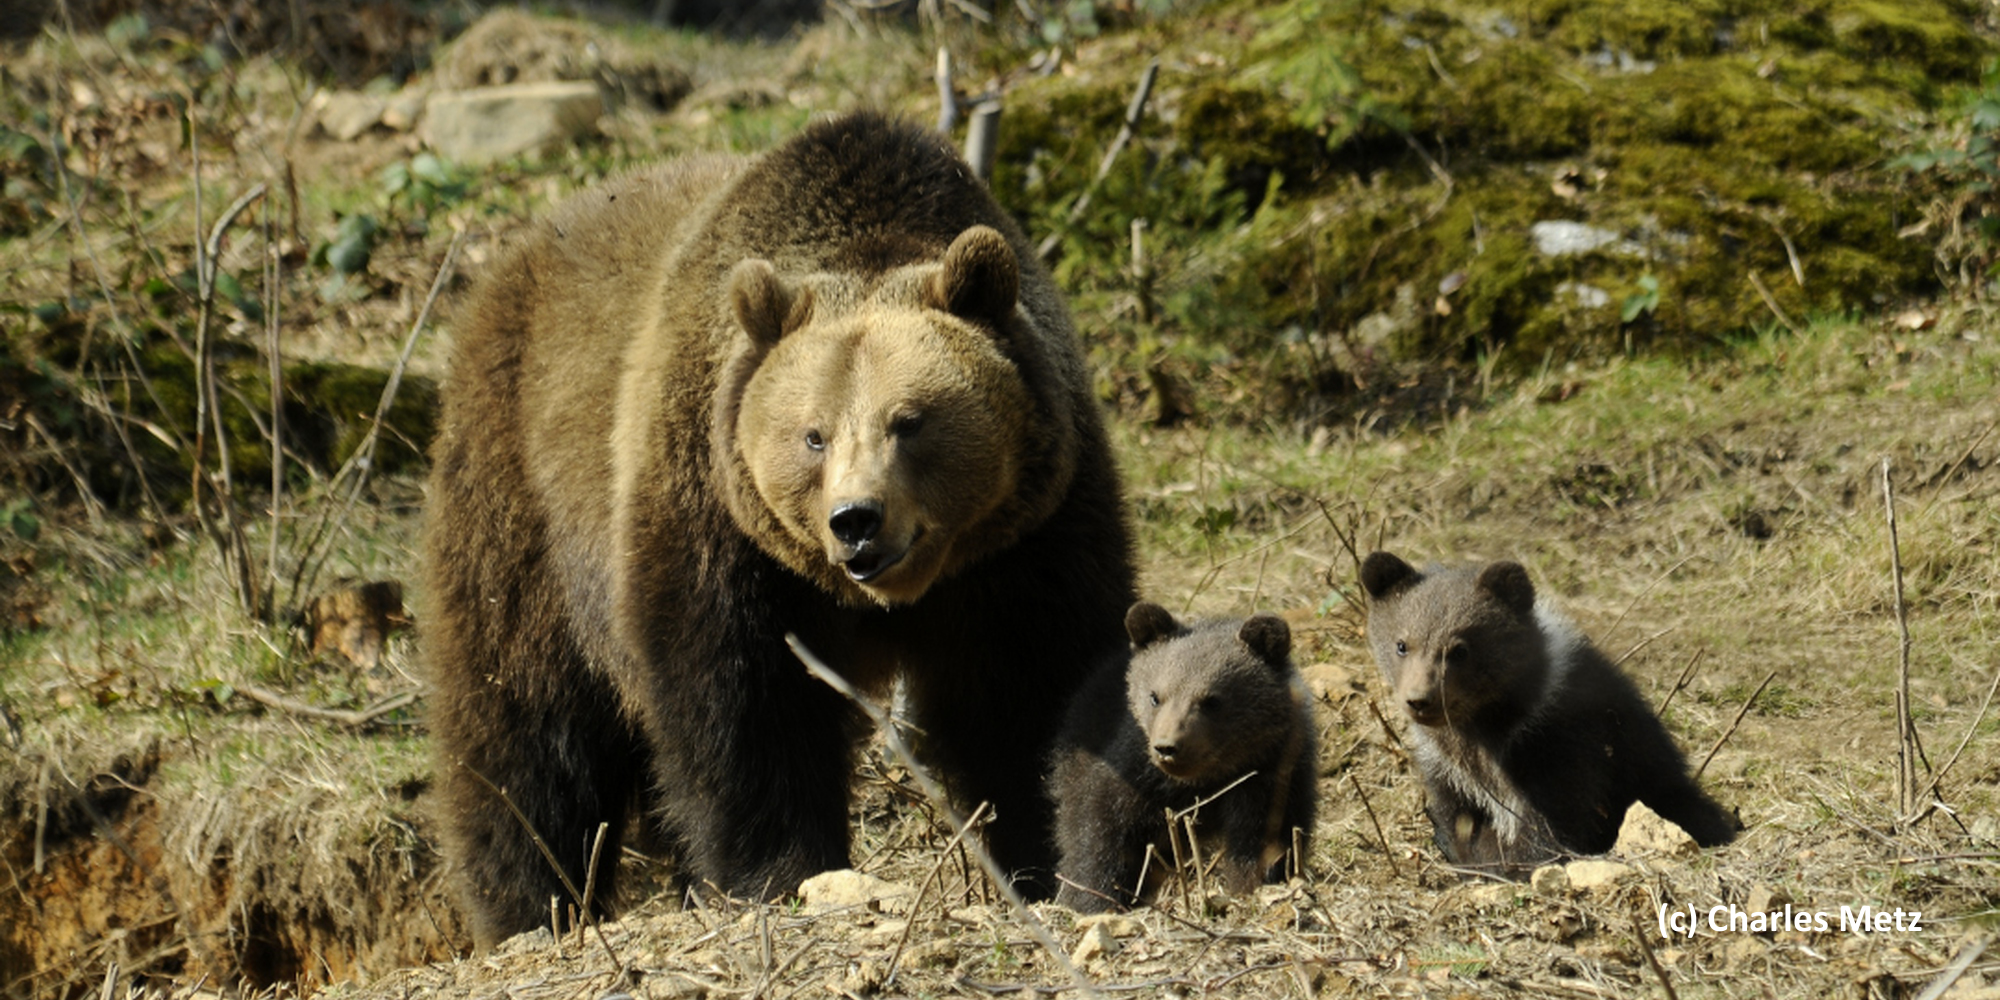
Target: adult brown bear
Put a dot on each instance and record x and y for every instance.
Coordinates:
(825, 391)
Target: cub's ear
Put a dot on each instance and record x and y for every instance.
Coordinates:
(1383, 574)
(763, 304)
(1268, 636)
(1147, 623)
(980, 278)
(1508, 582)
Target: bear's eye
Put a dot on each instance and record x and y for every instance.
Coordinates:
(1457, 654)
(1211, 705)
(1154, 698)
(814, 441)
(906, 426)
(1401, 648)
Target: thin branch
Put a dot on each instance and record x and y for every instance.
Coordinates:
(1641, 644)
(818, 668)
(550, 856)
(1652, 960)
(274, 266)
(353, 718)
(1394, 869)
(1613, 630)
(1906, 737)
(312, 557)
(936, 872)
(1963, 961)
(1772, 302)
(1929, 795)
(1731, 731)
(1687, 675)
(1133, 112)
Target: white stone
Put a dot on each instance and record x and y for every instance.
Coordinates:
(487, 124)
(846, 888)
(1097, 942)
(345, 114)
(1559, 237)
(1590, 874)
(1646, 832)
(1587, 296)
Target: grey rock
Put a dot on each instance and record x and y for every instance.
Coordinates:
(487, 124)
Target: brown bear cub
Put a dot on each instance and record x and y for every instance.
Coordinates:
(1190, 712)
(1532, 744)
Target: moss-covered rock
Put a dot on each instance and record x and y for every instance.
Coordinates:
(1408, 151)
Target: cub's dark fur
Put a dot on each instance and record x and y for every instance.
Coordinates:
(1191, 710)
(1531, 743)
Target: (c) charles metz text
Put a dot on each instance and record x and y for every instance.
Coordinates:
(1686, 921)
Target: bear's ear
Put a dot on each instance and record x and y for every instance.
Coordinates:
(1508, 582)
(1147, 623)
(764, 305)
(1383, 574)
(980, 278)
(1268, 636)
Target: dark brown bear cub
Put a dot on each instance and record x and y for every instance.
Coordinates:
(1192, 710)
(1531, 743)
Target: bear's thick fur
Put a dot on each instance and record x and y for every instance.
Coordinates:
(1531, 743)
(825, 391)
(1189, 712)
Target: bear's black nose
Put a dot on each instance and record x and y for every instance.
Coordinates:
(1165, 751)
(856, 523)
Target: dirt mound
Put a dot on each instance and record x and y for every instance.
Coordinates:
(133, 863)
(511, 46)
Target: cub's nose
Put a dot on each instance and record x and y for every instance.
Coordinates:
(1165, 751)
(856, 523)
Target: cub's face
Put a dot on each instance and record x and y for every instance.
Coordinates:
(1451, 642)
(1214, 701)
(881, 437)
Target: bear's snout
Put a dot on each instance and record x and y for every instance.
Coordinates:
(856, 524)
(1421, 698)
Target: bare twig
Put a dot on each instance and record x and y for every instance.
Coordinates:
(550, 856)
(1687, 675)
(1613, 630)
(229, 538)
(1652, 960)
(1906, 735)
(312, 557)
(355, 718)
(1771, 301)
(936, 874)
(1731, 731)
(590, 874)
(1133, 112)
(274, 271)
(1394, 869)
(1641, 644)
(818, 668)
(1963, 961)
(1952, 469)
(1196, 807)
(1929, 796)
